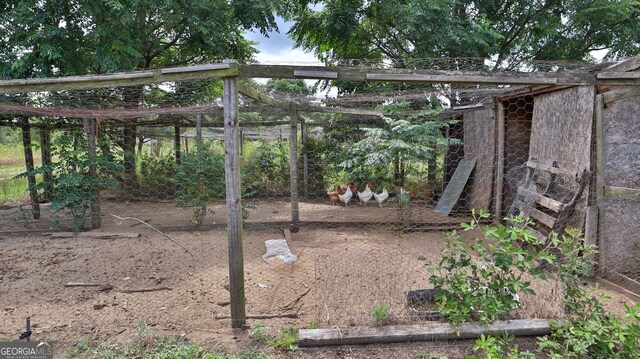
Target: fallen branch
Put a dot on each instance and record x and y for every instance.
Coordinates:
(97, 235)
(101, 287)
(142, 290)
(263, 316)
(295, 301)
(155, 229)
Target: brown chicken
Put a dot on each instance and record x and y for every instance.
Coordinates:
(334, 196)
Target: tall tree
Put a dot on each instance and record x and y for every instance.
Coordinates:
(75, 37)
(511, 31)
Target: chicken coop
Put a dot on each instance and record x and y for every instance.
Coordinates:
(361, 182)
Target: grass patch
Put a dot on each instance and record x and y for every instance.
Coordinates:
(380, 313)
(146, 345)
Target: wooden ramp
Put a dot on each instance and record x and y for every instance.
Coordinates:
(455, 187)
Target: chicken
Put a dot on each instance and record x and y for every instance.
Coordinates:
(365, 195)
(352, 186)
(382, 196)
(346, 197)
(334, 196)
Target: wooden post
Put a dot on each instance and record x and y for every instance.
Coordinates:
(129, 158)
(497, 204)
(600, 265)
(198, 137)
(45, 151)
(305, 160)
(293, 164)
(186, 144)
(90, 130)
(176, 143)
(28, 159)
(234, 205)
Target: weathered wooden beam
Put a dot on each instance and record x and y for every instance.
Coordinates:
(619, 94)
(261, 97)
(90, 130)
(421, 332)
(293, 165)
(106, 114)
(599, 133)
(622, 192)
(45, 153)
(429, 76)
(495, 79)
(234, 205)
(315, 74)
(618, 75)
(499, 182)
(135, 78)
(630, 64)
(28, 159)
(342, 110)
(305, 159)
(176, 143)
(554, 170)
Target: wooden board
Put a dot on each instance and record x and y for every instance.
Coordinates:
(456, 186)
(97, 235)
(420, 332)
(479, 143)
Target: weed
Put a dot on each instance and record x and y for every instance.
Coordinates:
(380, 313)
(287, 339)
(312, 325)
(258, 332)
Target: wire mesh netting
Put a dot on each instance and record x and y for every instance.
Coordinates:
(362, 184)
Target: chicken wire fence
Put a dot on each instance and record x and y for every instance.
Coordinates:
(375, 190)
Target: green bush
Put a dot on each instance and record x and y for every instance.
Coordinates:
(266, 165)
(481, 281)
(72, 188)
(156, 176)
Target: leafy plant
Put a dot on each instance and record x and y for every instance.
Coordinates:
(72, 187)
(498, 347)
(481, 281)
(258, 332)
(287, 339)
(198, 180)
(380, 313)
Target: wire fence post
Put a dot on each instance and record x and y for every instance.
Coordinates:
(293, 165)
(234, 205)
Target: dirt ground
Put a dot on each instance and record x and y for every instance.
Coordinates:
(346, 271)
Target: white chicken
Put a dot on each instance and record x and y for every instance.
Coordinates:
(382, 196)
(365, 195)
(346, 197)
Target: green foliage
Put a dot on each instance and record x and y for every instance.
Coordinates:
(292, 86)
(125, 35)
(258, 332)
(198, 181)
(286, 339)
(510, 31)
(499, 347)
(156, 176)
(380, 313)
(481, 281)
(145, 345)
(72, 187)
(9, 135)
(404, 143)
(266, 165)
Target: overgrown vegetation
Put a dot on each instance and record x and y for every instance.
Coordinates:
(285, 339)
(480, 282)
(146, 345)
(72, 187)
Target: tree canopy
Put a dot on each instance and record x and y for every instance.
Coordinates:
(511, 31)
(74, 37)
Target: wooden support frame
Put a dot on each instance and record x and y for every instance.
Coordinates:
(499, 177)
(622, 192)
(176, 143)
(135, 78)
(234, 204)
(305, 159)
(90, 130)
(293, 165)
(45, 153)
(599, 132)
(28, 159)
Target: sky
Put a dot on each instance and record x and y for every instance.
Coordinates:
(279, 48)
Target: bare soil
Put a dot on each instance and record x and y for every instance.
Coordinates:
(346, 271)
